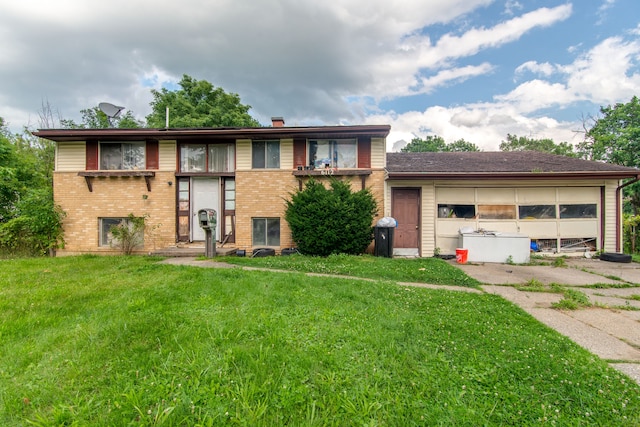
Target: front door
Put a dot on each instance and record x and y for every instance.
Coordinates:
(405, 208)
(204, 195)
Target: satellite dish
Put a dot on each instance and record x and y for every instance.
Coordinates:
(112, 111)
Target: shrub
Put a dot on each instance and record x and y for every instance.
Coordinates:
(129, 234)
(37, 228)
(332, 220)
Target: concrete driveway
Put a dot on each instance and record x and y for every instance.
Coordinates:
(610, 330)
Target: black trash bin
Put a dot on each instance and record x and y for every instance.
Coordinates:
(383, 241)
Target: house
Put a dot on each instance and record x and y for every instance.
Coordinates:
(563, 204)
(102, 175)
(167, 175)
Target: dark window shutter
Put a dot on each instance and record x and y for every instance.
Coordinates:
(364, 152)
(92, 156)
(152, 155)
(299, 152)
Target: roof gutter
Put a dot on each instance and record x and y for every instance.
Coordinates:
(618, 210)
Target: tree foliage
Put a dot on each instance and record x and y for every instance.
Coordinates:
(94, 118)
(198, 104)
(545, 145)
(437, 144)
(615, 135)
(325, 221)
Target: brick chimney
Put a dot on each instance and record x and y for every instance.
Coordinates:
(277, 122)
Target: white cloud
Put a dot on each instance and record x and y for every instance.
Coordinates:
(545, 68)
(606, 74)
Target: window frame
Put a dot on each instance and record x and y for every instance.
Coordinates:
(139, 164)
(104, 241)
(260, 158)
(187, 163)
(332, 158)
(266, 241)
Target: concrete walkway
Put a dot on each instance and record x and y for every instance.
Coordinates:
(611, 333)
(610, 329)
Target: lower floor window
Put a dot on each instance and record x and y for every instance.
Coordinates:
(106, 238)
(266, 231)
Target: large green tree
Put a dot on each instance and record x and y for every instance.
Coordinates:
(198, 104)
(545, 145)
(614, 137)
(436, 144)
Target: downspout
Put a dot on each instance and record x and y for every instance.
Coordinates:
(618, 206)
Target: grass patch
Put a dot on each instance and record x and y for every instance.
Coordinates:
(421, 270)
(107, 341)
(573, 299)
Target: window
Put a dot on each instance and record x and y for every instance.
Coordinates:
(266, 231)
(122, 155)
(456, 211)
(265, 154)
(193, 158)
(106, 238)
(537, 211)
(497, 211)
(334, 153)
(230, 195)
(578, 211)
(221, 157)
(207, 158)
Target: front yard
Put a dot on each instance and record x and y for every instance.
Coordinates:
(127, 341)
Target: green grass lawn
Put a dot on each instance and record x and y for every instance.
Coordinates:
(420, 270)
(127, 341)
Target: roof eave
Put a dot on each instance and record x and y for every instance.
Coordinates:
(513, 175)
(380, 131)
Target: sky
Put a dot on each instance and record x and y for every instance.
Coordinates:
(476, 70)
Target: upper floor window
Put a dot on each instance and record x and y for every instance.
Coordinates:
(265, 154)
(207, 158)
(122, 155)
(333, 153)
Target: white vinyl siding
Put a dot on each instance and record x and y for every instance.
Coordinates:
(71, 156)
(167, 154)
(378, 153)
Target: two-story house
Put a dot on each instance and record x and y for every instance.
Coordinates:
(245, 174)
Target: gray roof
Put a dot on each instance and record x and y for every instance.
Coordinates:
(499, 163)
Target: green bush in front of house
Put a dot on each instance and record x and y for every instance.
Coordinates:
(334, 220)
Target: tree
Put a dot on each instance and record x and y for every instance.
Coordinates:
(198, 104)
(325, 221)
(94, 118)
(436, 144)
(545, 145)
(615, 138)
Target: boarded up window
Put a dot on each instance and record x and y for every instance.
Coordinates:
(497, 211)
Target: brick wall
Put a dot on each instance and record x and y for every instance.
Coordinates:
(262, 193)
(114, 197)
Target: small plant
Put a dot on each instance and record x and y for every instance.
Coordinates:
(573, 300)
(436, 252)
(510, 260)
(129, 234)
(560, 262)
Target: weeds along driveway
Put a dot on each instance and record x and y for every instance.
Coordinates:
(610, 328)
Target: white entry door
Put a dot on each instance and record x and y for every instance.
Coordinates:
(205, 194)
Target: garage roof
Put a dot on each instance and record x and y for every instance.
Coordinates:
(500, 164)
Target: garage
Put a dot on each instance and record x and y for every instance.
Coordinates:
(556, 219)
(564, 205)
